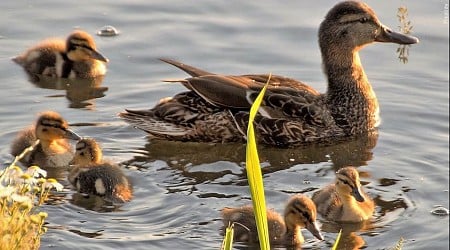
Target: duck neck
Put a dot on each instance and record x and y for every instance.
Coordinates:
(294, 236)
(350, 96)
(59, 146)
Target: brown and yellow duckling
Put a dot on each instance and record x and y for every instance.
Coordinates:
(300, 212)
(91, 175)
(215, 109)
(77, 57)
(344, 201)
(53, 149)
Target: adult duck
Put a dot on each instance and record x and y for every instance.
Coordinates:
(216, 107)
(75, 57)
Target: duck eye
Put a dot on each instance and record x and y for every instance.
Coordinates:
(344, 181)
(363, 20)
(82, 153)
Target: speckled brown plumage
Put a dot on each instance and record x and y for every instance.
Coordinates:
(344, 201)
(75, 57)
(300, 212)
(91, 175)
(292, 113)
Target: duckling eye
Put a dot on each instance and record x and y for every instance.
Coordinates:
(44, 130)
(363, 20)
(345, 182)
(82, 153)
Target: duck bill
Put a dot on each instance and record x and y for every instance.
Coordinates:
(356, 192)
(69, 134)
(314, 229)
(98, 56)
(388, 36)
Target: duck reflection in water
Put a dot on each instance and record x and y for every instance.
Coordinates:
(180, 155)
(80, 92)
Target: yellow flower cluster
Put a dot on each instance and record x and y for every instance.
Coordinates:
(20, 193)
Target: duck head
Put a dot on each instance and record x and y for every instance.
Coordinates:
(350, 25)
(81, 46)
(301, 212)
(348, 183)
(51, 126)
(87, 152)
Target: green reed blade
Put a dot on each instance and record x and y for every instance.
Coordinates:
(254, 175)
(228, 240)
(336, 243)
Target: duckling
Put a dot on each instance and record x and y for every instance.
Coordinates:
(53, 149)
(216, 107)
(91, 175)
(77, 57)
(344, 201)
(300, 212)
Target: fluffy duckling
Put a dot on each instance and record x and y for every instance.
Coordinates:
(77, 57)
(300, 212)
(216, 107)
(344, 201)
(54, 149)
(91, 175)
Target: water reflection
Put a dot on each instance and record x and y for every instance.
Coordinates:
(80, 92)
(94, 203)
(188, 156)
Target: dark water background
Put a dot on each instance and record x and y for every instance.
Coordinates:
(180, 188)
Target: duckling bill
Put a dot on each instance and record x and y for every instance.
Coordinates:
(54, 149)
(216, 107)
(76, 57)
(91, 175)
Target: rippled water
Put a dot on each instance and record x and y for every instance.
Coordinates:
(180, 188)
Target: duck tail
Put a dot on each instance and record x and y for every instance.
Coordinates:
(193, 71)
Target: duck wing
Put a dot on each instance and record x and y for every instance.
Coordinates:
(275, 80)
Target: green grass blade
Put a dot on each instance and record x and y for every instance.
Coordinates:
(254, 176)
(336, 243)
(228, 241)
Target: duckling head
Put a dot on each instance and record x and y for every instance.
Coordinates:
(348, 184)
(87, 152)
(350, 25)
(81, 46)
(301, 212)
(51, 126)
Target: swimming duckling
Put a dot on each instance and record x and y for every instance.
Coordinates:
(53, 150)
(300, 212)
(344, 201)
(91, 175)
(215, 109)
(77, 57)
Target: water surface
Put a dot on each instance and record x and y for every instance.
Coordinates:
(180, 188)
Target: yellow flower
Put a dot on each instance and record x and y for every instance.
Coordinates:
(6, 191)
(23, 200)
(52, 183)
(12, 174)
(43, 215)
(36, 171)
